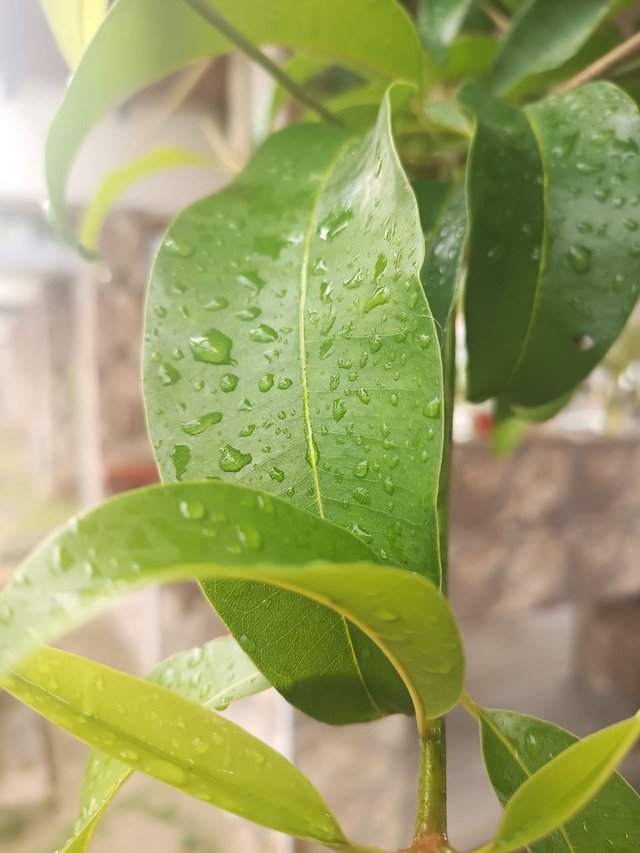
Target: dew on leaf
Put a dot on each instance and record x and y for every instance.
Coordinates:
(177, 247)
(249, 313)
(361, 469)
(218, 303)
(180, 455)
(263, 334)
(214, 347)
(338, 410)
(233, 460)
(433, 407)
(193, 510)
(168, 374)
(201, 424)
(266, 383)
(229, 382)
(277, 474)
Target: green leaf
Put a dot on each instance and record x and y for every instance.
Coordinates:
(300, 318)
(443, 267)
(73, 23)
(119, 180)
(439, 22)
(224, 533)
(554, 240)
(214, 675)
(470, 55)
(551, 781)
(174, 740)
(544, 35)
(378, 38)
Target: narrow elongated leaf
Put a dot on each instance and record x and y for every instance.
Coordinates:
(553, 240)
(544, 35)
(119, 181)
(377, 37)
(546, 777)
(225, 533)
(442, 270)
(439, 22)
(291, 305)
(174, 740)
(73, 23)
(516, 746)
(213, 675)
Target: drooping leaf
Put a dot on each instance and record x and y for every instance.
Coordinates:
(174, 740)
(378, 37)
(443, 267)
(214, 675)
(544, 35)
(73, 23)
(566, 791)
(225, 533)
(553, 240)
(299, 315)
(119, 180)
(439, 22)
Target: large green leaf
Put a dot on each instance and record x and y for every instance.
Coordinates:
(544, 35)
(554, 241)
(73, 23)
(214, 675)
(516, 746)
(548, 781)
(290, 304)
(174, 740)
(136, 46)
(223, 533)
(439, 22)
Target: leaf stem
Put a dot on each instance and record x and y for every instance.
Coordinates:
(431, 819)
(602, 65)
(501, 21)
(213, 17)
(472, 708)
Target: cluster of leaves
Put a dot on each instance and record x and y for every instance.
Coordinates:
(298, 364)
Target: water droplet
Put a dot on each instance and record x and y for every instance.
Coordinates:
(277, 474)
(180, 455)
(585, 343)
(229, 382)
(200, 747)
(249, 313)
(193, 510)
(218, 303)
(361, 469)
(167, 772)
(201, 424)
(363, 396)
(386, 615)
(394, 399)
(169, 374)
(285, 383)
(333, 224)
(432, 409)
(631, 224)
(380, 296)
(213, 347)
(362, 496)
(263, 334)
(177, 247)
(249, 537)
(424, 341)
(266, 383)
(580, 258)
(339, 410)
(245, 431)
(360, 532)
(233, 460)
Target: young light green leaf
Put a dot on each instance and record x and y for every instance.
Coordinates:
(439, 22)
(378, 37)
(544, 35)
(214, 675)
(73, 23)
(298, 313)
(119, 180)
(174, 740)
(553, 243)
(225, 534)
(552, 783)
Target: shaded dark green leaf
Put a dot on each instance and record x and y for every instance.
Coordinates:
(439, 22)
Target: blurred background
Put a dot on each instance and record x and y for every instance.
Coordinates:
(545, 575)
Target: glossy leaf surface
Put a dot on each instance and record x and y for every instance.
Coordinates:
(119, 181)
(179, 742)
(515, 747)
(544, 35)
(222, 532)
(378, 37)
(554, 244)
(439, 22)
(214, 675)
(73, 23)
(290, 304)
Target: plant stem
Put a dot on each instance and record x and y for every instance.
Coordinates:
(213, 17)
(501, 21)
(602, 65)
(431, 820)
